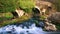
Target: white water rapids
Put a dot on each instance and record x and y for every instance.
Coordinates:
(13, 29)
(28, 27)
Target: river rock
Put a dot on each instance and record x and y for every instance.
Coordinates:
(49, 26)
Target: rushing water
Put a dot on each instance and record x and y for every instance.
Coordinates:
(13, 29)
(28, 27)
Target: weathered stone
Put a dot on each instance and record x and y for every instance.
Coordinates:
(19, 12)
(46, 7)
(50, 26)
(55, 17)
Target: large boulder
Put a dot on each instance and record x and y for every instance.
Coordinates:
(55, 17)
(49, 26)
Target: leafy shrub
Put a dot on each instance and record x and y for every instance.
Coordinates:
(8, 15)
(8, 5)
(4, 16)
(42, 17)
(27, 5)
(11, 5)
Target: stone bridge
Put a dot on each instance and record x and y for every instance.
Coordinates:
(41, 8)
(45, 7)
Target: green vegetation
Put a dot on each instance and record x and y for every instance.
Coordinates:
(27, 5)
(42, 17)
(7, 15)
(57, 4)
(57, 25)
(4, 16)
(14, 21)
(8, 5)
(11, 5)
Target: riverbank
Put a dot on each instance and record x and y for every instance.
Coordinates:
(43, 7)
(8, 18)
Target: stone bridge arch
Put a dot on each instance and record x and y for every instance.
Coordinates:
(36, 13)
(46, 7)
(36, 10)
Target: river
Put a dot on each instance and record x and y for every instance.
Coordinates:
(28, 27)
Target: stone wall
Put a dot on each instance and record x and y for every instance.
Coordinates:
(55, 2)
(46, 7)
(19, 12)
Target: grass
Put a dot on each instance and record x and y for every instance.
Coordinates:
(42, 17)
(7, 19)
(7, 15)
(27, 5)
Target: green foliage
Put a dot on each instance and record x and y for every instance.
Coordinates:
(42, 17)
(8, 5)
(5, 16)
(27, 5)
(57, 25)
(11, 5)
(36, 22)
(8, 15)
(15, 21)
